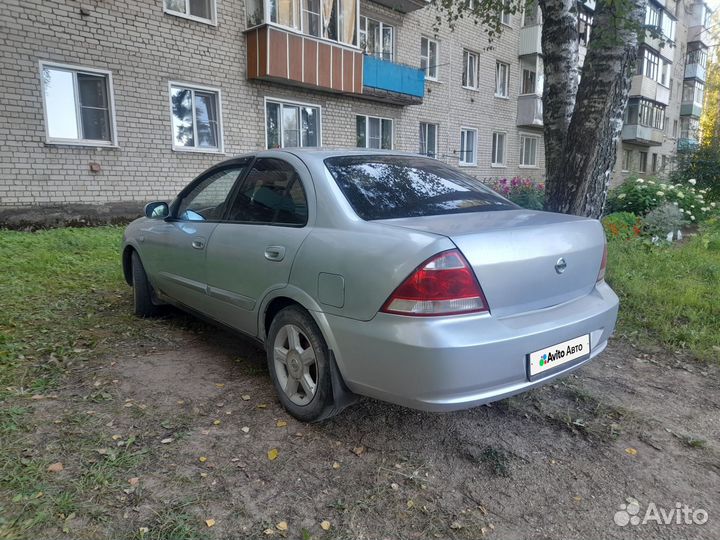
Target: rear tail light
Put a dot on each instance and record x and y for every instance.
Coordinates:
(603, 264)
(442, 285)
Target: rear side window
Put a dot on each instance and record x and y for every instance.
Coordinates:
(387, 187)
(271, 193)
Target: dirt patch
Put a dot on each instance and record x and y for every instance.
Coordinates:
(555, 463)
(32, 218)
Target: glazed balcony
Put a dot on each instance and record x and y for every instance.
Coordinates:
(403, 6)
(388, 81)
(690, 108)
(642, 86)
(530, 40)
(695, 71)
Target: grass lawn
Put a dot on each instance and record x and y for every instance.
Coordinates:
(66, 310)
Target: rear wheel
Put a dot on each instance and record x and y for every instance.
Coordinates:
(142, 290)
(298, 364)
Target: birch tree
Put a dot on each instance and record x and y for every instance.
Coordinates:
(583, 108)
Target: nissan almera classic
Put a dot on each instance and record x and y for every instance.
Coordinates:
(381, 274)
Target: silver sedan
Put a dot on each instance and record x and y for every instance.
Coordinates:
(377, 273)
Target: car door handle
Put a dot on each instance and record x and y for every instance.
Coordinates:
(198, 244)
(275, 253)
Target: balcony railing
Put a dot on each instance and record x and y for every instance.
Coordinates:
(690, 108)
(281, 55)
(646, 87)
(530, 40)
(695, 71)
(530, 111)
(642, 135)
(393, 82)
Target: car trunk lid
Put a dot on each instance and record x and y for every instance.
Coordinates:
(516, 254)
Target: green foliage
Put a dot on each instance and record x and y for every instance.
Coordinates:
(663, 220)
(702, 165)
(524, 192)
(621, 226)
(640, 196)
(668, 293)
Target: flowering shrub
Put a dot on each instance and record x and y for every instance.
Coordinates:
(640, 196)
(522, 191)
(621, 225)
(663, 222)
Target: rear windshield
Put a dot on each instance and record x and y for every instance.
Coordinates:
(387, 187)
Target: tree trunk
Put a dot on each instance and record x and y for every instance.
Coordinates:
(582, 151)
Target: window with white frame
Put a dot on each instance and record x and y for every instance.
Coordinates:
(196, 123)
(377, 38)
(531, 80)
(429, 57)
(373, 132)
(335, 20)
(291, 125)
(429, 139)
(498, 149)
(78, 105)
(528, 150)
(470, 70)
(468, 144)
(502, 79)
(202, 10)
(505, 14)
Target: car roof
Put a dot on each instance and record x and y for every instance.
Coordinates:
(321, 153)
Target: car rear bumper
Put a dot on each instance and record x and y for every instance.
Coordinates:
(458, 362)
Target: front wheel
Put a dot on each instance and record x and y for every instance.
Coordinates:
(298, 364)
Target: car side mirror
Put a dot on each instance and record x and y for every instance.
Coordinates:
(157, 210)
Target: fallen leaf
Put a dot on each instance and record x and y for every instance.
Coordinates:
(336, 465)
(210, 522)
(167, 441)
(281, 423)
(37, 396)
(116, 437)
(358, 450)
(577, 498)
(202, 459)
(245, 397)
(273, 454)
(282, 526)
(325, 525)
(203, 475)
(631, 451)
(269, 532)
(410, 504)
(180, 402)
(216, 422)
(143, 530)
(261, 406)
(245, 429)
(220, 385)
(455, 525)
(55, 467)
(128, 405)
(394, 486)
(134, 481)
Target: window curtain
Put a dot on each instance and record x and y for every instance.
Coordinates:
(285, 12)
(348, 10)
(327, 7)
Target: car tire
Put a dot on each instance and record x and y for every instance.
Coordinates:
(142, 290)
(299, 364)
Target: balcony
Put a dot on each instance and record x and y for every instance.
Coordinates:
(388, 81)
(699, 33)
(281, 55)
(403, 6)
(530, 111)
(689, 108)
(646, 87)
(530, 40)
(642, 135)
(685, 144)
(695, 71)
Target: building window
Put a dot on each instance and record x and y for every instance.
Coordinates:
(698, 57)
(311, 17)
(649, 65)
(654, 163)
(195, 118)
(502, 79)
(675, 128)
(652, 15)
(584, 23)
(200, 10)
(498, 149)
(643, 162)
(291, 125)
(531, 81)
(626, 160)
(468, 143)
(373, 132)
(667, 25)
(645, 112)
(428, 139)
(505, 14)
(376, 38)
(470, 70)
(528, 151)
(429, 57)
(693, 92)
(78, 105)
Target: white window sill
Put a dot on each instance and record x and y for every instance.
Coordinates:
(188, 150)
(463, 164)
(89, 144)
(498, 166)
(502, 97)
(432, 79)
(473, 88)
(209, 22)
(527, 166)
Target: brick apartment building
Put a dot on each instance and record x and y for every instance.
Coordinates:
(126, 100)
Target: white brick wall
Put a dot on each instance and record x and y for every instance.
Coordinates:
(145, 48)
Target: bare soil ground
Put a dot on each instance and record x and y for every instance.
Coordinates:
(193, 414)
